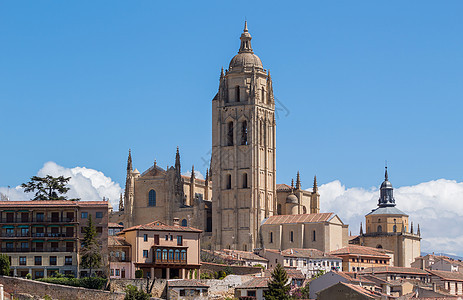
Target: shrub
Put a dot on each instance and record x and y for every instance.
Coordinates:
(139, 274)
(207, 276)
(28, 276)
(228, 270)
(96, 283)
(132, 293)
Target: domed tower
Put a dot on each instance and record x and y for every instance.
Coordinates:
(388, 227)
(243, 150)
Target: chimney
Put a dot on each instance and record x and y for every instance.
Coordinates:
(176, 222)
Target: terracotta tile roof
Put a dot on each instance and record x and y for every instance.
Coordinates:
(117, 241)
(360, 250)
(353, 277)
(158, 225)
(51, 203)
(305, 253)
(454, 276)
(283, 187)
(361, 290)
(291, 219)
(245, 255)
(256, 282)
(395, 270)
(115, 225)
(186, 283)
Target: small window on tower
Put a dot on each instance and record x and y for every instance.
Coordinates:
(245, 180)
(237, 92)
(263, 95)
(244, 133)
(230, 134)
(380, 229)
(228, 182)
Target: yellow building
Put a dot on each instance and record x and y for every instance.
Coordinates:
(388, 227)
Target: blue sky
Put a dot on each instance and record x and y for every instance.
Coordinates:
(81, 82)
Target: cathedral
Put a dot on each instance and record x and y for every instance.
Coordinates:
(240, 190)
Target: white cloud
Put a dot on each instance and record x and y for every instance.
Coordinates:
(86, 184)
(436, 205)
(197, 174)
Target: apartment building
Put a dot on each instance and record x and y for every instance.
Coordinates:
(43, 237)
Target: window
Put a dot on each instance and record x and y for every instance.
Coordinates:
(237, 93)
(112, 272)
(380, 229)
(99, 230)
(183, 255)
(245, 180)
(167, 237)
(52, 260)
(152, 198)
(179, 240)
(24, 231)
(118, 272)
(291, 237)
(228, 182)
(171, 254)
(279, 209)
(156, 239)
(99, 214)
(10, 232)
(394, 228)
(38, 260)
(271, 237)
(158, 254)
(244, 133)
(263, 95)
(314, 236)
(40, 217)
(145, 237)
(251, 293)
(171, 237)
(22, 260)
(84, 215)
(230, 134)
(184, 223)
(145, 253)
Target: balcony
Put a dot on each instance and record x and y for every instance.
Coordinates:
(37, 220)
(38, 234)
(23, 250)
(169, 256)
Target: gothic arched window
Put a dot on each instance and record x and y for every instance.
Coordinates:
(245, 180)
(244, 133)
(184, 223)
(380, 229)
(152, 198)
(230, 134)
(237, 93)
(263, 95)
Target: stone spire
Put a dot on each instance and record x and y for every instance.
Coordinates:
(193, 176)
(269, 88)
(121, 203)
(361, 229)
(207, 176)
(292, 183)
(386, 193)
(298, 181)
(245, 40)
(178, 175)
(129, 162)
(418, 232)
(315, 186)
(177, 160)
(411, 228)
(403, 227)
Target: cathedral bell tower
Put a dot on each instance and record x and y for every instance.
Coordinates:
(243, 151)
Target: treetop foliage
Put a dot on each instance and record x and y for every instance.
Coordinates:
(48, 187)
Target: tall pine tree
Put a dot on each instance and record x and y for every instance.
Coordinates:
(90, 252)
(278, 285)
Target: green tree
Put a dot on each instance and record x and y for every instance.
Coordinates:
(4, 265)
(132, 293)
(278, 285)
(90, 252)
(48, 187)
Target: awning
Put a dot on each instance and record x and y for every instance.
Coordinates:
(9, 211)
(38, 241)
(69, 225)
(69, 240)
(53, 240)
(38, 225)
(8, 226)
(23, 226)
(24, 210)
(52, 225)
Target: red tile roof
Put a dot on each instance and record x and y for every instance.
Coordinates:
(114, 241)
(158, 225)
(361, 290)
(186, 283)
(395, 270)
(453, 276)
(256, 282)
(115, 225)
(307, 218)
(307, 253)
(360, 250)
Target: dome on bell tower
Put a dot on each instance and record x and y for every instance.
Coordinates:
(245, 57)
(386, 192)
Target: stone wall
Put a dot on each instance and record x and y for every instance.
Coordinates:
(14, 285)
(237, 270)
(220, 289)
(119, 285)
